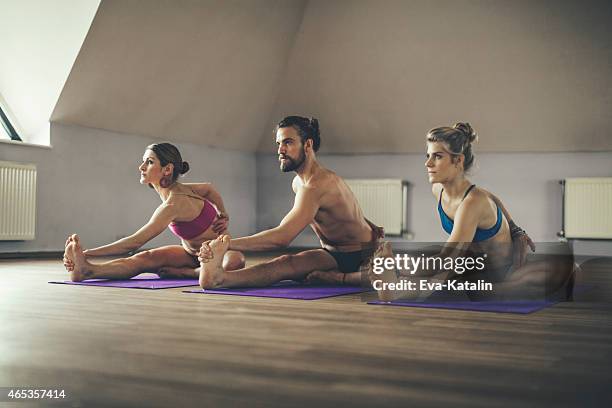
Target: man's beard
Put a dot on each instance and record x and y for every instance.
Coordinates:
(290, 164)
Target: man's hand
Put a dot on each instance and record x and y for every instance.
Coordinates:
(520, 242)
(221, 224)
(379, 232)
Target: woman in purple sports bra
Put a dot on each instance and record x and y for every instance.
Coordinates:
(477, 223)
(194, 213)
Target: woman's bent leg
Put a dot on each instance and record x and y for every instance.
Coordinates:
(550, 278)
(232, 261)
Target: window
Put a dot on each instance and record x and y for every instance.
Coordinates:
(8, 131)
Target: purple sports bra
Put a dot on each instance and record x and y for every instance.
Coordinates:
(193, 228)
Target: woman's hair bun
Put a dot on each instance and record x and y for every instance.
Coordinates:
(185, 167)
(467, 130)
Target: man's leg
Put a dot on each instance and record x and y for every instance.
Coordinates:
(296, 266)
(334, 277)
(359, 263)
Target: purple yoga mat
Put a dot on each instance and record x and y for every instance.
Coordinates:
(509, 306)
(142, 281)
(517, 306)
(287, 290)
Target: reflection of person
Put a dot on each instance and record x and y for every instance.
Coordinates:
(193, 212)
(322, 200)
(476, 221)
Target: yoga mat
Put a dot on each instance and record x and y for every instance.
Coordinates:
(515, 306)
(287, 290)
(142, 281)
(509, 306)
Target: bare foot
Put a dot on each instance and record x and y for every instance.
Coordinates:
(384, 250)
(381, 280)
(74, 253)
(390, 276)
(211, 272)
(168, 272)
(68, 264)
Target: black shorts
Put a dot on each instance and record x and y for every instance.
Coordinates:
(350, 261)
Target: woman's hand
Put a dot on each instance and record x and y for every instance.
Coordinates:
(205, 254)
(221, 224)
(68, 264)
(520, 242)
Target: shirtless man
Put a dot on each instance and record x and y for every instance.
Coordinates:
(323, 201)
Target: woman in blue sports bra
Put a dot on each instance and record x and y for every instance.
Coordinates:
(477, 222)
(468, 214)
(194, 212)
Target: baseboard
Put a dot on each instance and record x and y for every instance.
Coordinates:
(59, 254)
(290, 250)
(32, 255)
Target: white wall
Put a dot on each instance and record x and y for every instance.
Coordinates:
(40, 41)
(527, 183)
(532, 75)
(88, 183)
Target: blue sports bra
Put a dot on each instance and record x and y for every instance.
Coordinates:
(481, 234)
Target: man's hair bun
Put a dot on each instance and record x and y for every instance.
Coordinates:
(185, 167)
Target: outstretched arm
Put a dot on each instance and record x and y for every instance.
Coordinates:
(305, 207)
(160, 219)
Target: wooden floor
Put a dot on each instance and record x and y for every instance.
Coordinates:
(164, 348)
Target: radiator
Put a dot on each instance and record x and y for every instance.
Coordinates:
(17, 201)
(383, 201)
(587, 208)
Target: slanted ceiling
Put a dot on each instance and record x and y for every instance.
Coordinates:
(529, 75)
(193, 71)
